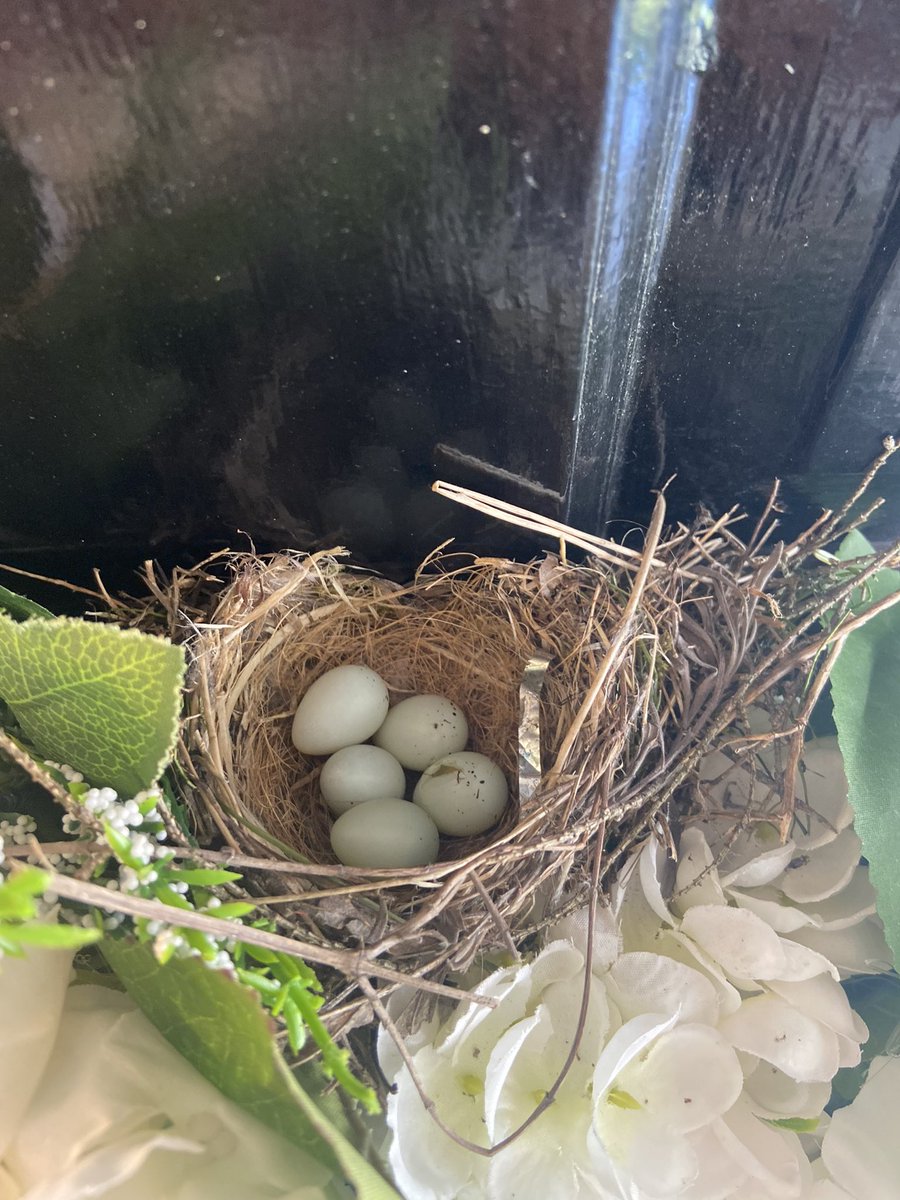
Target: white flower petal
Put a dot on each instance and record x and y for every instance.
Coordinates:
(861, 1148)
(641, 983)
(683, 949)
(528, 1059)
(774, 1030)
(858, 950)
(651, 1160)
(426, 1163)
(852, 904)
(761, 870)
(826, 1001)
(774, 1095)
(607, 940)
(816, 874)
(717, 1171)
(32, 993)
(801, 963)
(528, 1092)
(654, 869)
(399, 1004)
(744, 945)
(114, 1084)
(696, 877)
(771, 906)
(623, 1046)
(772, 1157)
(685, 1079)
(138, 1165)
(550, 1160)
(476, 1029)
(825, 1189)
(822, 788)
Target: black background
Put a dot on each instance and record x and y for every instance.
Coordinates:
(269, 267)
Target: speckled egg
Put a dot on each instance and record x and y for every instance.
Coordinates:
(422, 729)
(464, 793)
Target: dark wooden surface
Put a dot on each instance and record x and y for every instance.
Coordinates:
(271, 266)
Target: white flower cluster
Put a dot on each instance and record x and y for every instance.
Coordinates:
(711, 1034)
(16, 828)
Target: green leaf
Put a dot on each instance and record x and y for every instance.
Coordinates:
(20, 608)
(234, 908)
(57, 937)
(220, 1027)
(795, 1124)
(18, 893)
(104, 699)
(202, 876)
(865, 690)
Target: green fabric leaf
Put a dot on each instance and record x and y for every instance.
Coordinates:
(20, 607)
(103, 699)
(796, 1124)
(56, 937)
(202, 876)
(221, 1029)
(865, 690)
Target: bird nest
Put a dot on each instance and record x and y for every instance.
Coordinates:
(597, 677)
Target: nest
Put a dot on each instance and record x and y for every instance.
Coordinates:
(597, 685)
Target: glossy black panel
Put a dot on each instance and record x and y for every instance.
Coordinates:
(276, 264)
(272, 265)
(787, 231)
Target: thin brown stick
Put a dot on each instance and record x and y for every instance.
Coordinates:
(10, 747)
(136, 906)
(623, 632)
(62, 583)
(795, 745)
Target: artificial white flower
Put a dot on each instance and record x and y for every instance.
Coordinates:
(104, 1107)
(860, 1149)
(653, 1108)
(782, 1002)
(486, 1070)
(811, 888)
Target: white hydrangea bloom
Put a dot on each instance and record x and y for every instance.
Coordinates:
(104, 1107)
(654, 1108)
(782, 1001)
(812, 888)
(860, 1150)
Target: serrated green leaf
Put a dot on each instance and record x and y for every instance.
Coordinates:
(220, 1027)
(57, 937)
(20, 608)
(865, 692)
(104, 699)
